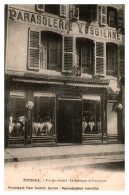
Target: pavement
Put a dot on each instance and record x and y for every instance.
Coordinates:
(64, 152)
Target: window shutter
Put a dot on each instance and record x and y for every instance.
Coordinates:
(63, 10)
(73, 12)
(121, 60)
(33, 50)
(99, 60)
(102, 15)
(40, 8)
(120, 18)
(68, 53)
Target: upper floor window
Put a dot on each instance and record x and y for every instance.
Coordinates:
(51, 50)
(45, 51)
(84, 55)
(53, 9)
(111, 17)
(87, 13)
(56, 9)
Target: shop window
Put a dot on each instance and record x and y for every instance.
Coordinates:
(111, 16)
(112, 59)
(111, 119)
(87, 13)
(84, 55)
(51, 51)
(91, 122)
(44, 116)
(16, 117)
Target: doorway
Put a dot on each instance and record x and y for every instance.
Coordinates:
(69, 121)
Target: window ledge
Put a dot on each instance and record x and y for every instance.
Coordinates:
(49, 72)
(86, 75)
(110, 77)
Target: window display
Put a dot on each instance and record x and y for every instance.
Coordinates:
(17, 117)
(91, 123)
(44, 116)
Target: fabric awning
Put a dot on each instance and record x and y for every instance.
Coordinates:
(17, 93)
(86, 85)
(33, 81)
(38, 81)
(91, 97)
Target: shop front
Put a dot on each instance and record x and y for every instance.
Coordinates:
(48, 113)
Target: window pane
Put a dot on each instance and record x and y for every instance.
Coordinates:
(17, 117)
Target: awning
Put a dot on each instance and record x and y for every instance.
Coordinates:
(91, 97)
(33, 81)
(40, 94)
(17, 93)
(86, 85)
(38, 82)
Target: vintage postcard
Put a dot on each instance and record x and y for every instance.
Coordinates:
(64, 94)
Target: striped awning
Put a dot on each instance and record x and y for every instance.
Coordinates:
(86, 85)
(40, 94)
(33, 81)
(91, 97)
(17, 94)
(38, 81)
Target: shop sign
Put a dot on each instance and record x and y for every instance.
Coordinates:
(62, 24)
(69, 96)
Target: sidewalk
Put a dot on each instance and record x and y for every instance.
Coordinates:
(61, 152)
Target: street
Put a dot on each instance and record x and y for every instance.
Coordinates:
(87, 173)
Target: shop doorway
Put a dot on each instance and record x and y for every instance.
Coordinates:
(69, 121)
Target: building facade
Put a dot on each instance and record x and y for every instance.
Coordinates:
(64, 72)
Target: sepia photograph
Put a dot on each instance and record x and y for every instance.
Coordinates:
(64, 97)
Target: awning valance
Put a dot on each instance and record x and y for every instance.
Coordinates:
(91, 97)
(38, 81)
(33, 81)
(17, 94)
(40, 94)
(86, 85)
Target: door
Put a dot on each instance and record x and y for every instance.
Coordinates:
(69, 121)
